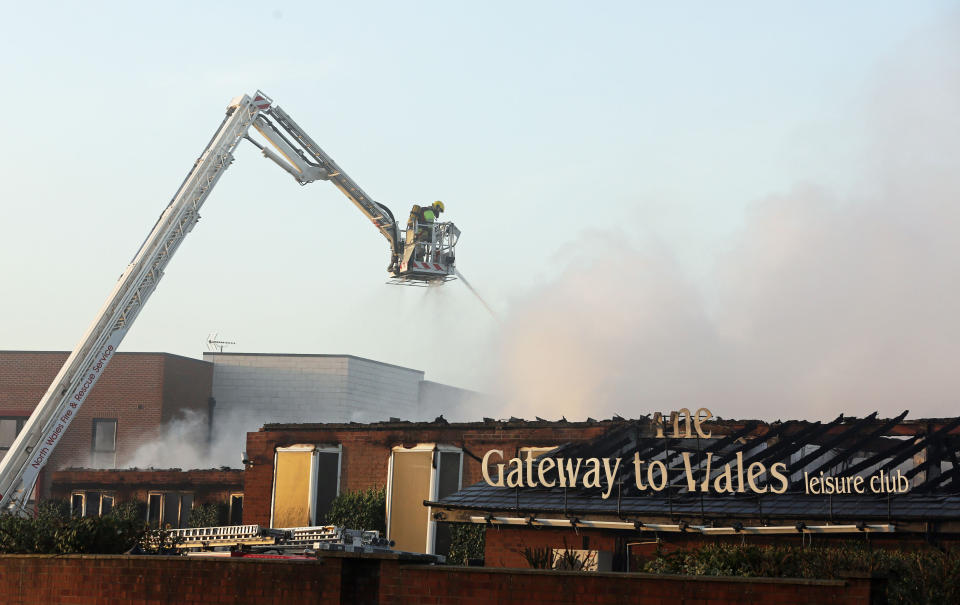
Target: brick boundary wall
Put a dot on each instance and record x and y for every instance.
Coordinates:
(156, 580)
(341, 578)
(480, 586)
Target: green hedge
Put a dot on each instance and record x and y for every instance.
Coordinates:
(466, 542)
(363, 510)
(918, 576)
(54, 531)
(210, 514)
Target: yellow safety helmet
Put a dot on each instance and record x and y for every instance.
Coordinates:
(438, 205)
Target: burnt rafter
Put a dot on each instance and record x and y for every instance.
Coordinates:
(918, 443)
(857, 445)
(748, 444)
(944, 450)
(725, 443)
(881, 446)
(836, 443)
(790, 443)
(829, 443)
(811, 435)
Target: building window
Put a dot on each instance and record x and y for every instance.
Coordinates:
(77, 504)
(104, 449)
(90, 504)
(306, 479)
(327, 477)
(106, 504)
(236, 509)
(169, 509)
(10, 427)
(426, 472)
(154, 509)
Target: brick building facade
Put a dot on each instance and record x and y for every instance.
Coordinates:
(168, 494)
(136, 395)
(891, 481)
(293, 467)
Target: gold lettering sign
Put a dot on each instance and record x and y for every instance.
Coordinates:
(653, 475)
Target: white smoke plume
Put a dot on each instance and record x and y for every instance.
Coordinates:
(183, 443)
(825, 305)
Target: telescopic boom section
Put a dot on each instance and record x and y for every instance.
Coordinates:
(428, 258)
(307, 162)
(60, 404)
(419, 255)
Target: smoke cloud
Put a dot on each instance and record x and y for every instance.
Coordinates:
(824, 305)
(183, 443)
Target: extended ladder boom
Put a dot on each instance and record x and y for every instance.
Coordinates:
(60, 404)
(303, 159)
(321, 166)
(380, 215)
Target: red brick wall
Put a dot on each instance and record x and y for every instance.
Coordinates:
(122, 580)
(345, 578)
(134, 390)
(366, 451)
(478, 586)
(206, 485)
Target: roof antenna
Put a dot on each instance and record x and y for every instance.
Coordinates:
(213, 344)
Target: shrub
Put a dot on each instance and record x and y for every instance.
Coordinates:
(539, 557)
(363, 510)
(53, 531)
(209, 514)
(914, 577)
(571, 560)
(466, 542)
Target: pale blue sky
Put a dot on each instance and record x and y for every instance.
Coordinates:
(535, 122)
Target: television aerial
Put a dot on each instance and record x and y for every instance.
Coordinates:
(215, 344)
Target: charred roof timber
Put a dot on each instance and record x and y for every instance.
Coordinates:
(918, 458)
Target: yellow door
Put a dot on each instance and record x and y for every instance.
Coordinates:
(291, 489)
(410, 486)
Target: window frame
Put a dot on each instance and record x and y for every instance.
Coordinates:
(113, 501)
(315, 451)
(162, 520)
(93, 439)
(160, 512)
(85, 502)
(436, 448)
(232, 496)
(19, 423)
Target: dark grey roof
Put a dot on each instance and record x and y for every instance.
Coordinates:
(905, 507)
(926, 454)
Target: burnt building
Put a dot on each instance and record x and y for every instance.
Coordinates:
(890, 481)
(137, 394)
(168, 495)
(295, 470)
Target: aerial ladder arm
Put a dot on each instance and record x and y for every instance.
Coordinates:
(59, 405)
(307, 162)
(296, 153)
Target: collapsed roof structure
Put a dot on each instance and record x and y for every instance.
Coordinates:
(909, 480)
